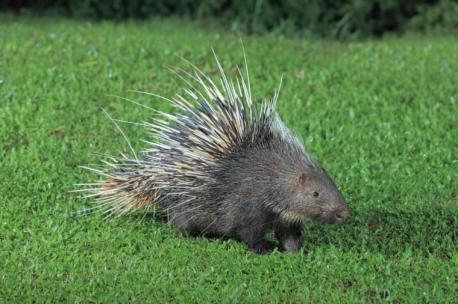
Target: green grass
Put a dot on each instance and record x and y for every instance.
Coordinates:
(381, 116)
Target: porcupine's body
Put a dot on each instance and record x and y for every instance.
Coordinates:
(224, 167)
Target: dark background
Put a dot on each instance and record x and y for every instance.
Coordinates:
(341, 19)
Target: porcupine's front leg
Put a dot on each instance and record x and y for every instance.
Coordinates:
(289, 236)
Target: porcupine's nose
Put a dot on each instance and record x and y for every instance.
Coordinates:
(342, 213)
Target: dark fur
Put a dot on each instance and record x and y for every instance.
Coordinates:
(258, 188)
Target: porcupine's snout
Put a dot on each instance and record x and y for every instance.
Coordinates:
(342, 213)
(336, 209)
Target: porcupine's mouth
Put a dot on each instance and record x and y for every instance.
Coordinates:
(328, 220)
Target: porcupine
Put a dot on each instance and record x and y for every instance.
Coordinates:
(223, 166)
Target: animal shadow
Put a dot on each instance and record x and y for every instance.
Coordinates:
(424, 231)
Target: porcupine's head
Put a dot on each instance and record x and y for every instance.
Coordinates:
(305, 190)
(315, 196)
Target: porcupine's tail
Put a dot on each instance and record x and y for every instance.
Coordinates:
(125, 185)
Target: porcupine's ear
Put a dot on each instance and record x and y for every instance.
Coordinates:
(300, 179)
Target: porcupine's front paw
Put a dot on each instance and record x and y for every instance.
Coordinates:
(289, 236)
(291, 244)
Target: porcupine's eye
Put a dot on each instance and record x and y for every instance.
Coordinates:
(315, 194)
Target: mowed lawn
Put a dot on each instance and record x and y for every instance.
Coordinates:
(380, 116)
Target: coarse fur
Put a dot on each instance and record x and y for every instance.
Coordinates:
(223, 166)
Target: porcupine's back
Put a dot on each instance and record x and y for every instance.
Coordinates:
(219, 159)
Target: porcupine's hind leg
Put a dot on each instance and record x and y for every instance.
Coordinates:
(256, 241)
(182, 220)
(192, 220)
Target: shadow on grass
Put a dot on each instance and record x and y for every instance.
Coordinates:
(422, 231)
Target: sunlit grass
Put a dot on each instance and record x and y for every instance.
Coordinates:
(381, 116)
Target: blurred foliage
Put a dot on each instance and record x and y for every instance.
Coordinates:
(342, 19)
